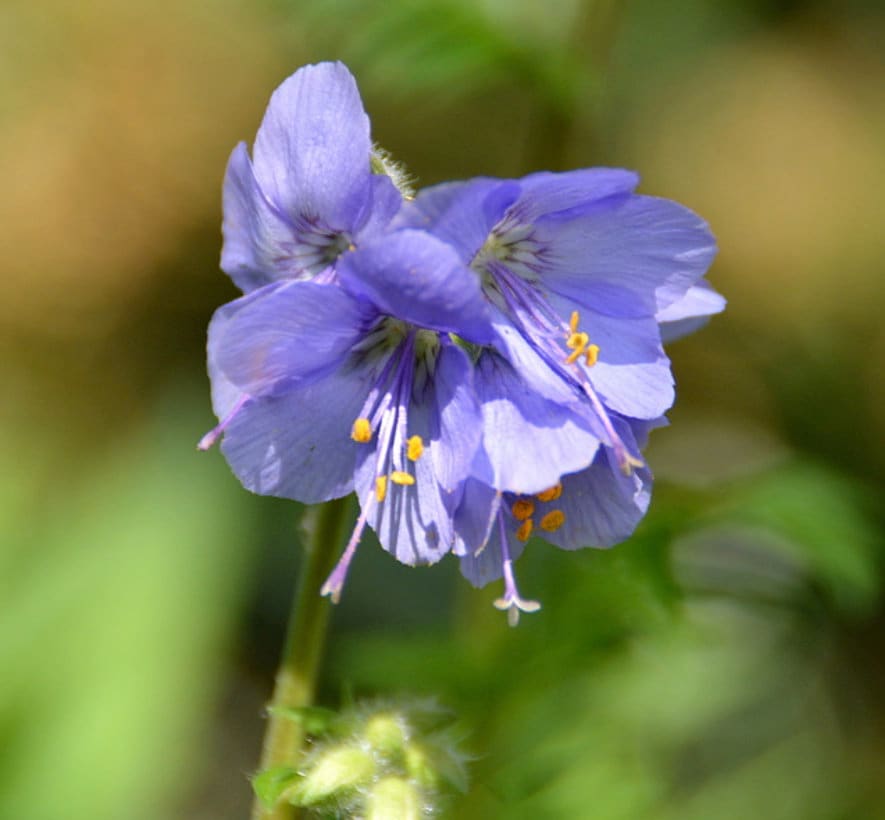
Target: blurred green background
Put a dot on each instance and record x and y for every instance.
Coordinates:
(726, 662)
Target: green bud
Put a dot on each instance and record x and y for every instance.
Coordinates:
(394, 798)
(420, 766)
(384, 733)
(333, 773)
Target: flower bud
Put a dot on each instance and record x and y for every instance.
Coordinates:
(384, 733)
(394, 798)
(334, 773)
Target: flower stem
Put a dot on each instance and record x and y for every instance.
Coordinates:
(297, 676)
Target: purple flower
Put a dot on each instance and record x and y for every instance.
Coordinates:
(308, 196)
(598, 506)
(359, 386)
(308, 193)
(582, 273)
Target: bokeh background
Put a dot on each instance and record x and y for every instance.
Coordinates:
(726, 662)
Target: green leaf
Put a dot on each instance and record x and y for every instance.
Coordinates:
(271, 783)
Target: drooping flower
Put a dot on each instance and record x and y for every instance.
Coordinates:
(358, 385)
(598, 506)
(582, 273)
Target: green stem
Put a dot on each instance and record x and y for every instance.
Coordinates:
(297, 676)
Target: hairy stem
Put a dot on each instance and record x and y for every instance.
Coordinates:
(308, 620)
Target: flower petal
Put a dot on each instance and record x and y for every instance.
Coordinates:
(528, 441)
(288, 333)
(690, 312)
(257, 238)
(225, 394)
(632, 257)
(487, 565)
(297, 445)
(632, 373)
(569, 193)
(419, 279)
(601, 505)
(462, 214)
(312, 151)
(447, 416)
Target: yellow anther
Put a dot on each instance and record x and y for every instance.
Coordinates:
(573, 322)
(550, 495)
(362, 431)
(401, 478)
(592, 355)
(577, 341)
(553, 521)
(522, 509)
(381, 488)
(414, 448)
(525, 530)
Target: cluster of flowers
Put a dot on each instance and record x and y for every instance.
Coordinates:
(480, 363)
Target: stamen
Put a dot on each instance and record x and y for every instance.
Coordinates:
(553, 521)
(362, 431)
(522, 509)
(335, 582)
(525, 530)
(381, 488)
(577, 343)
(414, 448)
(401, 478)
(573, 321)
(215, 433)
(550, 495)
(592, 355)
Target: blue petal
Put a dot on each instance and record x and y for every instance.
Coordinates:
(602, 506)
(296, 331)
(414, 277)
(382, 203)
(488, 566)
(257, 238)
(528, 441)
(447, 416)
(298, 445)
(569, 194)
(690, 312)
(462, 214)
(312, 151)
(475, 517)
(632, 257)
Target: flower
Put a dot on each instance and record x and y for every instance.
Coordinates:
(582, 273)
(308, 193)
(598, 506)
(307, 196)
(358, 385)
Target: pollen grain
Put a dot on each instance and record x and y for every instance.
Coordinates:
(362, 431)
(522, 509)
(553, 521)
(550, 495)
(414, 448)
(381, 488)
